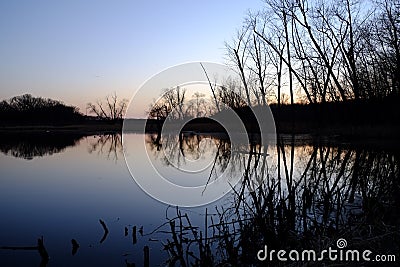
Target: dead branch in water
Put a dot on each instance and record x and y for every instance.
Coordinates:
(103, 224)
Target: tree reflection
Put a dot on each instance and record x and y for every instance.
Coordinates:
(107, 144)
(306, 195)
(31, 145)
(172, 149)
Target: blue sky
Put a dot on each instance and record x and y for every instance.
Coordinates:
(80, 51)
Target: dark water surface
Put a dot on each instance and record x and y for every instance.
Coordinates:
(304, 193)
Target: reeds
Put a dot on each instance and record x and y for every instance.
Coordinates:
(303, 197)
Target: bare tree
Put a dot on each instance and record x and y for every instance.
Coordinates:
(332, 50)
(111, 109)
(238, 54)
(197, 106)
(278, 38)
(170, 104)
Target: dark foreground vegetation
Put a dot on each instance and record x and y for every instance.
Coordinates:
(295, 196)
(310, 197)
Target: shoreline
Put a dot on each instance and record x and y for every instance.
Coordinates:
(358, 135)
(344, 131)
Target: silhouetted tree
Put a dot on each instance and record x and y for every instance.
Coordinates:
(171, 104)
(330, 50)
(112, 109)
(29, 109)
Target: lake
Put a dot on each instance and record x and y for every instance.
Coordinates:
(303, 193)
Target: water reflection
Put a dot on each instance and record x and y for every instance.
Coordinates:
(30, 145)
(301, 197)
(185, 149)
(109, 145)
(305, 193)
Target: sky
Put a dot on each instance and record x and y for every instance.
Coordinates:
(81, 51)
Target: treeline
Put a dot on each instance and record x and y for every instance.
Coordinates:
(379, 115)
(308, 54)
(318, 51)
(176, 104)
(30, 110)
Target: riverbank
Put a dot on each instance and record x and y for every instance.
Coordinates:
(347, 131)
(352, 120)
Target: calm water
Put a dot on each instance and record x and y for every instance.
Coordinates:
(302, 192)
